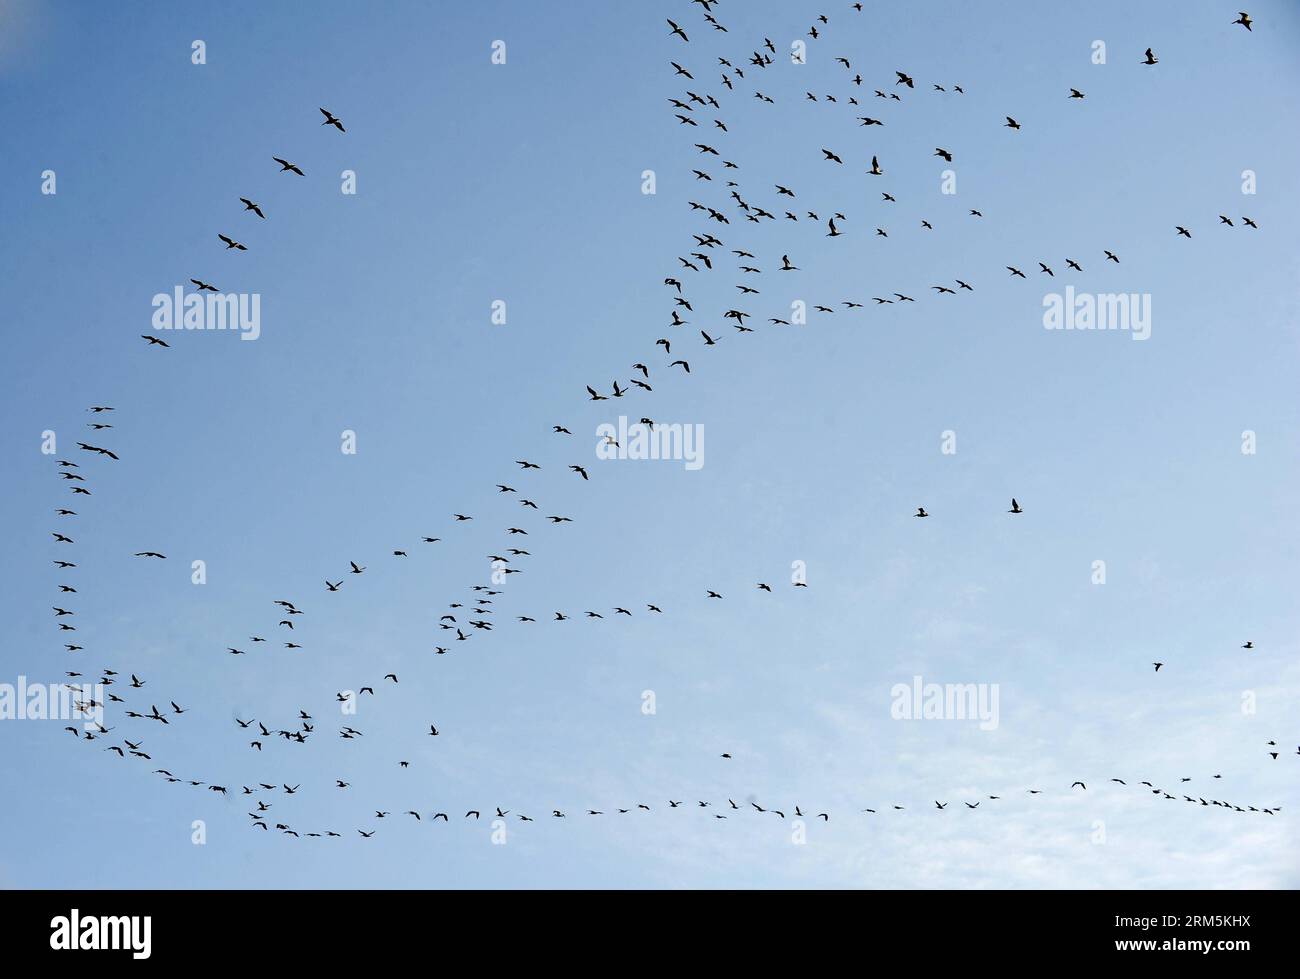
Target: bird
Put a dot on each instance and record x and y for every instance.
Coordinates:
(332, 120)
(96, 449)
(231, 243)
(250, 206)
(285, 165)
(1243, 19)
(1151, 59)
(1015, 507)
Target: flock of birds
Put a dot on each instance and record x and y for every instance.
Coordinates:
(728, 207)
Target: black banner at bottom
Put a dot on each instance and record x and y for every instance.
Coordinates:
(1229, 929)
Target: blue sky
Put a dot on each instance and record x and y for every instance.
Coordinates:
(522, 182)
